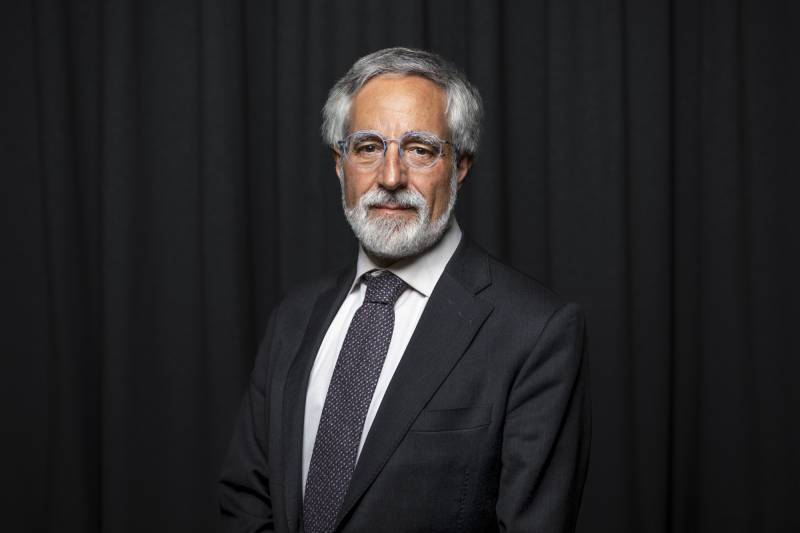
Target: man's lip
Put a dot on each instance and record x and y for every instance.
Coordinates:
(391, 207)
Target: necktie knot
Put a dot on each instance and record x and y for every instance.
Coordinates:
(383, 288)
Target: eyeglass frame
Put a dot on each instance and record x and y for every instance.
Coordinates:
(342, 144)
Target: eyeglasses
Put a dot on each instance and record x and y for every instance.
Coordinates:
(367, 149)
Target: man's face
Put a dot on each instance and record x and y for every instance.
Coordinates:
(400, 200)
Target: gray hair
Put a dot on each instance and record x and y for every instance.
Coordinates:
(464, 108)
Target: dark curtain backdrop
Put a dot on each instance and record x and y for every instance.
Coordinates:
(164, 183)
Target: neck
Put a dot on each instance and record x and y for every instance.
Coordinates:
(382, 262)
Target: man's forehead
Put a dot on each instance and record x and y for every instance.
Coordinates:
(409, 102)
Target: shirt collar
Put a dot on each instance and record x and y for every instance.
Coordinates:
(420, 272)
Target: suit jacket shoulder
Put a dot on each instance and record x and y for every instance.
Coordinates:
(522, 289)
(522, 305)
(293, 311)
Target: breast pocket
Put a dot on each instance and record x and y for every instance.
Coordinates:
(434, 420)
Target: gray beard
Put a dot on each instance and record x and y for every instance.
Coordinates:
(391, 237)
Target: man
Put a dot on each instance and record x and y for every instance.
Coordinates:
(428, 387)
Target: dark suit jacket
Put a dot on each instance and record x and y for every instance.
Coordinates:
(484, 427)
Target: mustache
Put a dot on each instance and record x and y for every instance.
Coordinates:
(403, 199)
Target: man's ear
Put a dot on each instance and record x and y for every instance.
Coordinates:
(462, 168)
(337, 161)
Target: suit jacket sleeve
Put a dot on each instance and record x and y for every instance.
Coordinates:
(547, 431)
(244, 495)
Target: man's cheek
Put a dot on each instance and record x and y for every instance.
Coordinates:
(351, 197)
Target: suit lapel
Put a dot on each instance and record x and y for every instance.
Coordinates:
(452, 317)
(294, 398)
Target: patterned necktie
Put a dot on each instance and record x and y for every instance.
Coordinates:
(349, 395)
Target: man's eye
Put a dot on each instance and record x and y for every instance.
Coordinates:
(420, 150)
(367, 148)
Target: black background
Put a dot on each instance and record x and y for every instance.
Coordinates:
(164, 183)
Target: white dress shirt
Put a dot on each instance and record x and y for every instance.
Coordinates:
(420, 274)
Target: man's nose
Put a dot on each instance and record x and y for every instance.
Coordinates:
(393, 173)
